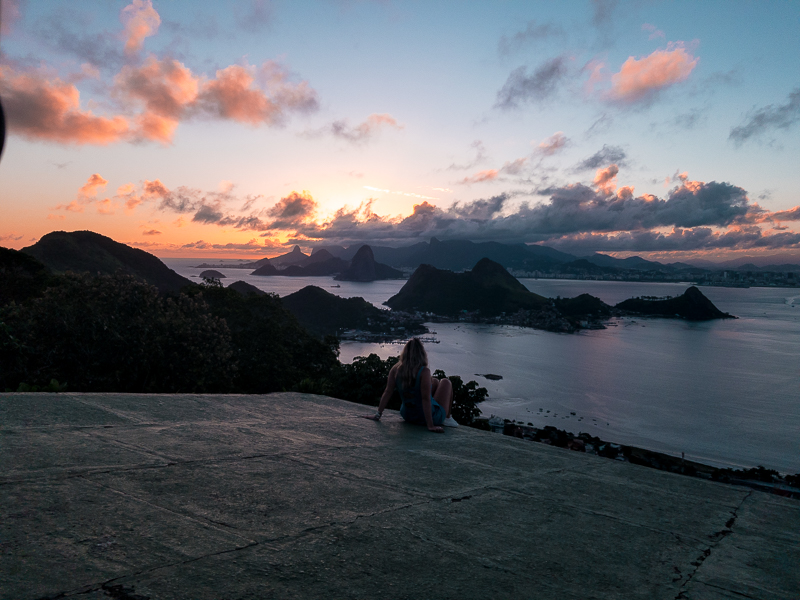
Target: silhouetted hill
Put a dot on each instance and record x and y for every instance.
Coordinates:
(323, 313)
(364, 268)
(331, 266)
(318, 257)
(265, 269)
(211, 274)
(632, 262)
(691, 305)
(582, 306)
(245, 288)
(21, 276)
(458, 255)
(295, 257)
(86, 251)
(487, 288)
(583, 266)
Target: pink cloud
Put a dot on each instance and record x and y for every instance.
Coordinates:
(106, 207)
(606, 180)
(140, 20)
(73, 206)
(553, 144)
(38, 108)
(481, 176)
(363, 131)
(93, 185)
(640, 79)
(151, 232)
(155, 97)
(165, 87)
(233, 95)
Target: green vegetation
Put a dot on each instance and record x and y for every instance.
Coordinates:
(117, 333)
(364, 380)
(271, 351)
(114, 334)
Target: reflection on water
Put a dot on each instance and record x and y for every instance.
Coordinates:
(724, 392)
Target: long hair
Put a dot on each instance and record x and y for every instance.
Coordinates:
(412, 359)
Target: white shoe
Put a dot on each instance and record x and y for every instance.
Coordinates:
(450, 422)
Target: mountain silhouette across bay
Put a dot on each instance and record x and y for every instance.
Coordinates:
(87, 251)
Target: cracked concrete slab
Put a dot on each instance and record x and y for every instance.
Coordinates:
(293, 496)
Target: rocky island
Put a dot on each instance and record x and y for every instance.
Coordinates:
(490, 294)
(692, 305)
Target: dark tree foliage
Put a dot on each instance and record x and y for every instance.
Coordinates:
(272, 351)
(466, 397)
(21, 276)
(114, 334)
(364, 380)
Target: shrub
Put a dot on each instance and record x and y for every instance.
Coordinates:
(364, 381)
(114, 334)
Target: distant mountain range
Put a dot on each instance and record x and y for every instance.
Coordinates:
(460, 255)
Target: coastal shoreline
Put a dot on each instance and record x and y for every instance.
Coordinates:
(758, 478)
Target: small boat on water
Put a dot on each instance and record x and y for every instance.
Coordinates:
(337, 285)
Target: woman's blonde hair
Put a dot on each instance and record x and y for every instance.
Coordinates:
(412, 359)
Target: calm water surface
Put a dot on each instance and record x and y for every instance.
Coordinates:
(724, 392)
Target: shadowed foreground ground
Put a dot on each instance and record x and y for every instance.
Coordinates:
(292, 496)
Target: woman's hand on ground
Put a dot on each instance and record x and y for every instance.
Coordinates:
(436, 429)
(375, 417)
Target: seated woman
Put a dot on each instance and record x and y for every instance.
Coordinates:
(426, 400)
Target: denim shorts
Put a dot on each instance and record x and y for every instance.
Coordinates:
(413, 413)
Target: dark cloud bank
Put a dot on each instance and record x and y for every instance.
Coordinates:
(693, 216)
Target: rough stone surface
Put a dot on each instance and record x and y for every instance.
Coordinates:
(294, 496)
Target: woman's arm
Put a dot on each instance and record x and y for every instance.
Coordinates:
(425, 392)
(387, 393)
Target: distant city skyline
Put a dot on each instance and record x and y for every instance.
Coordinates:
(662, 129)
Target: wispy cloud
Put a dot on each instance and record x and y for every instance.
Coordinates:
(407, 194)
(480, 156)
(521, 88)
(533, 32)
(654, 31)
(768, 118)
(364, 131)
(254, 15)
(605, 156)
(555, 143)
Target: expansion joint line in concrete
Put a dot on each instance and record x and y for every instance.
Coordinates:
(605, 515)
(390, 486)
(106, 585)
(716, 538)
(230, 530)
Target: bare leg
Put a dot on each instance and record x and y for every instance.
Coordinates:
(434, 385)
(443, 394)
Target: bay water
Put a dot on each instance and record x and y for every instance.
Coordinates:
(724, 392)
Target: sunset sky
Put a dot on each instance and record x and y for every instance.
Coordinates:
(238, 128)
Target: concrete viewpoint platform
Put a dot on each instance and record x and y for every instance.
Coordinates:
(293, 496)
